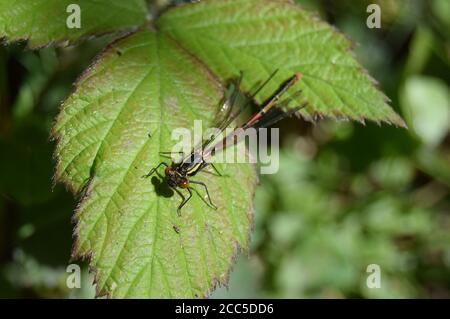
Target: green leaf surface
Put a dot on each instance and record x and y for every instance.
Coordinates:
(426, 105)
(43, 22)
(146, 84)
(259, 36)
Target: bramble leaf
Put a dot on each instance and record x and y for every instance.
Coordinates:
(259, 36)
(152, 82)
(128, 225)
(43, 22)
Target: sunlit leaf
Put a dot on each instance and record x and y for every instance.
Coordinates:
(44, 22)
(128, 226)
(259, 36)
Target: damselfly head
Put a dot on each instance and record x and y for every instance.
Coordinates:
(169, 171)
(183, 182)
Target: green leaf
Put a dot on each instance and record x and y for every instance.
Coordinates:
(426, 105)
(43, 22)
(126, 224)
(259, 36)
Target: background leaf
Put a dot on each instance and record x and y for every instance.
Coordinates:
(129, 225)
(426, 104)
(43, 22)
(259, 36)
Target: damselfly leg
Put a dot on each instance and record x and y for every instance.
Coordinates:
(207, 192)
(154, 169)
(184, 201)
(170, 153)
(215, 169)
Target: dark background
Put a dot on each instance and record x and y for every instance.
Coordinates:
(346, 195)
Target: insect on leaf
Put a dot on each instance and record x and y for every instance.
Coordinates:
(126, 224)
(258, 36)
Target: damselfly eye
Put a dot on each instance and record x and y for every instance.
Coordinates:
(184, 183)
(168, 171)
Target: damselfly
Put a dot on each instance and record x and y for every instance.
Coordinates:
(178, 175)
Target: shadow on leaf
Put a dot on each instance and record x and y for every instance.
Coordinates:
(161, 187)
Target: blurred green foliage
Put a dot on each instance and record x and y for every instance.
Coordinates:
(346, 195)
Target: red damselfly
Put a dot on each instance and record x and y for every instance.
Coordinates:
(177, 175)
